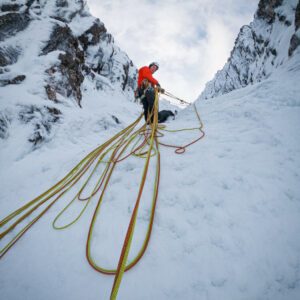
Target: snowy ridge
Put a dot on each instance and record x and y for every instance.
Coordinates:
(51, 52)
(261, 47)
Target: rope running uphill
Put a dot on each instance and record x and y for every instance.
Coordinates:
(110, 153)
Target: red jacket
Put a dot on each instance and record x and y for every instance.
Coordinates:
(145, 72)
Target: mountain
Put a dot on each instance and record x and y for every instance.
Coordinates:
(227, 215)
(260, 48)
(51, 52)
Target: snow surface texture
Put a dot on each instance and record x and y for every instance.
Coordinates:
(227, 222)
(260, 47)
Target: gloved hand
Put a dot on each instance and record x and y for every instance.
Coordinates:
(159, 89)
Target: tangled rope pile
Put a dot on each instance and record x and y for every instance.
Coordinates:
(144, 144)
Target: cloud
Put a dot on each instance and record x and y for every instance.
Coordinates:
(191, 39)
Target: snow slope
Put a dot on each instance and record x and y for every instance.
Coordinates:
(228, 214)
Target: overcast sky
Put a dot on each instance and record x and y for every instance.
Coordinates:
(191, 39)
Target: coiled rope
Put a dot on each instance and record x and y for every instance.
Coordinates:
(145, 145)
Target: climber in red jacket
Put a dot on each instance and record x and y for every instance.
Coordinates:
(146, 86)
(146, 73)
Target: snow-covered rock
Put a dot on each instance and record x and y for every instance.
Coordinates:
(261, 47)
(53, 50)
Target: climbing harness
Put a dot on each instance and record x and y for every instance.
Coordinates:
(143, 143)
(140, 92)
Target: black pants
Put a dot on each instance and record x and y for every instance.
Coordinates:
(148, 103)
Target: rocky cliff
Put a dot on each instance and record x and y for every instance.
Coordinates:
(52, 47)
(267, 43)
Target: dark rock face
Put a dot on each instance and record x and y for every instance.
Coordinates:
(266, 9)
(41, 118)
(74, 66)
(295, 42)
(12, 23)
(16, 80)
(10, 7)
(297, 16)
(61, 39)
(125, 76)
(62, 3)
(71, 66)
(92, 35)
(50, 93)
(8, 55)
(4, 125)
(29, 3)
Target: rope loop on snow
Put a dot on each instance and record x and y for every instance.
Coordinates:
(145, 145)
